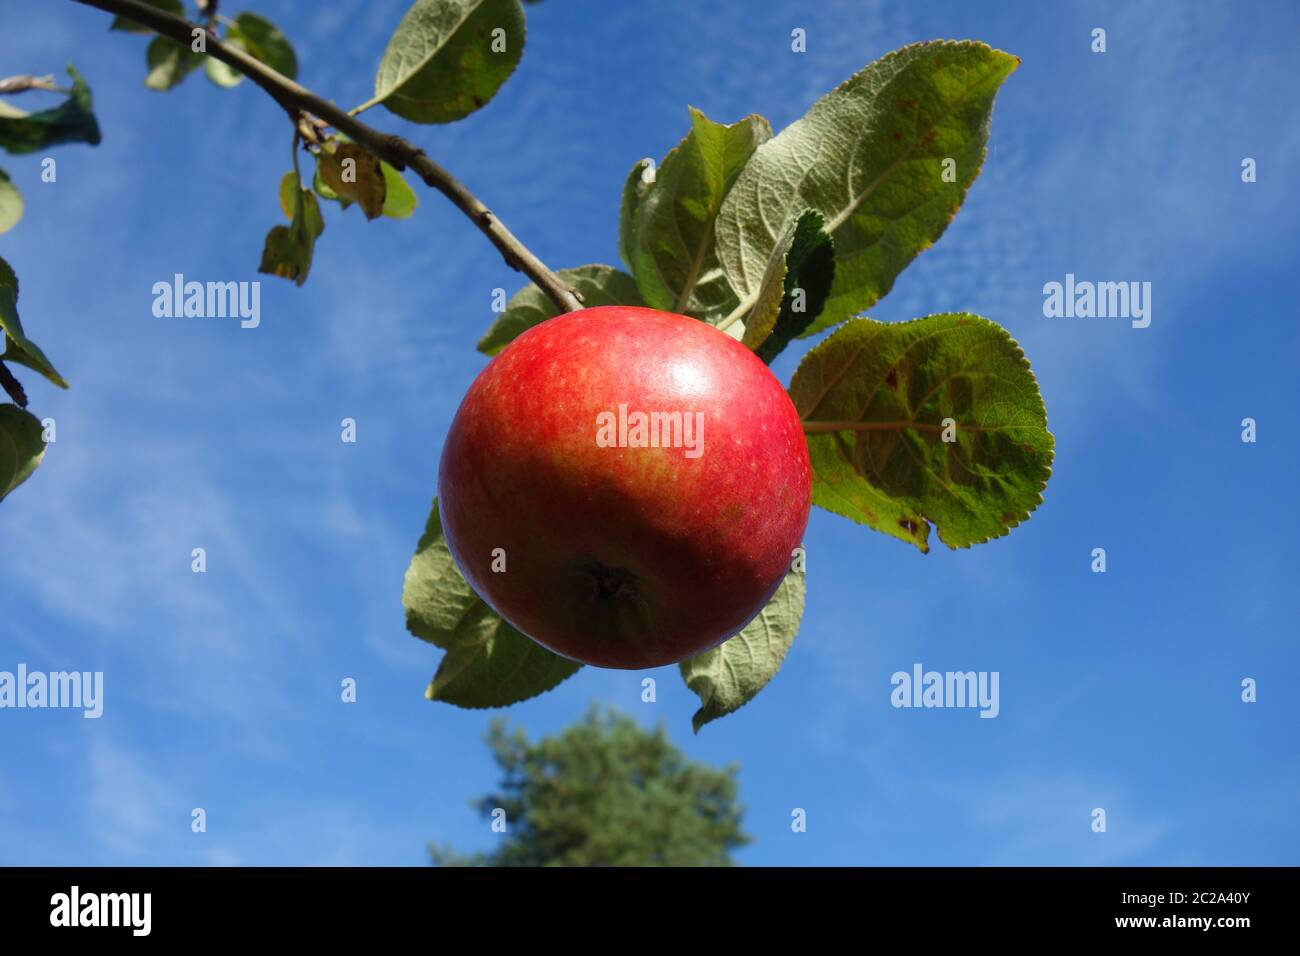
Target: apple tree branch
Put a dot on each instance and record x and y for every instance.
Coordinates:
(303, 105)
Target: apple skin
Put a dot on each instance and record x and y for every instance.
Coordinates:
(624, 557)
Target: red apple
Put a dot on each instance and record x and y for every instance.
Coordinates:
(645, 476)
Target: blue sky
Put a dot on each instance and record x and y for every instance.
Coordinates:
(1119, 691)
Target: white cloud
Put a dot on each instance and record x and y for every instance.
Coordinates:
(131, 807)
(1046, 819)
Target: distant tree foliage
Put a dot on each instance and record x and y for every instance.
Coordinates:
(606, 792)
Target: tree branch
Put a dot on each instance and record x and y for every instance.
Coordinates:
(395, 150)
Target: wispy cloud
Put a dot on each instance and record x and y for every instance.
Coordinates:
(130, 805)
(1036, 819)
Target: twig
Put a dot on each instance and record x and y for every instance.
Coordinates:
(396, 151)
(25, 82)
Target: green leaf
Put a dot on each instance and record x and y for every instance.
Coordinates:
(729, 676)
(8, 277)
(18, 348)
(639, 181)
(874, 398)
(672, 249)
(11, 203)
(501, 668)
(597, 284)
(794, 289)
(288, 249)
(264, 41)
(70, 122)
(220, 73)
(869, 156)
(354, 174)
(399, 198)
(169, 63)
(488, 663)
(288, 194)
(447, 58)
(22, 446)
(130, 26)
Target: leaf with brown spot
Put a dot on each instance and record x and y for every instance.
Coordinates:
(288, 249)
(875, 396)
(448, 58)
(356, 175)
